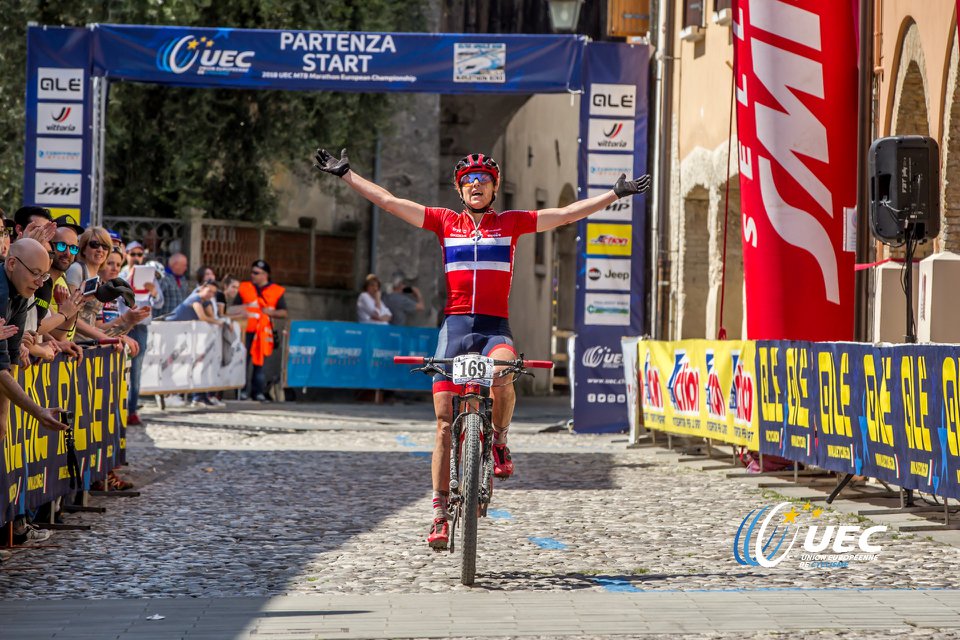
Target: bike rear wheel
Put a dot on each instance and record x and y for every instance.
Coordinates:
(472, 427)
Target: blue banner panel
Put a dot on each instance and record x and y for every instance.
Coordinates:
(339, 61)
(890, 412)
(349, 355)
(58, 149)
(611, 255)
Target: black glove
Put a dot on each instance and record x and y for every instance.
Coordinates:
(626, 187)
(112, 289)
(328, 164)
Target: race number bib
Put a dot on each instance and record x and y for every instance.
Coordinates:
(473, 368)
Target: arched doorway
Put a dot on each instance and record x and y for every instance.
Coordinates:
(694, 265)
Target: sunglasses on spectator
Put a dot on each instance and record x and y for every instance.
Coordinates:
(256, 272)
(38, 275)
(93, 244)
(136, 254)
(476, 176)
(63, 246)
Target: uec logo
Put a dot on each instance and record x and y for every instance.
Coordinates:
(179, 55)
(753, 546)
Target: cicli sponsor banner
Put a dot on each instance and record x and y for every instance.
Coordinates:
(604, 169)
(610, 135)
(619, 210)
(59, 119)
(607, 309)
(479, 62)
(700, 388)
(57, 188)
(796, 70)
(60, 84)
(609, 239)
(619, 100)
(608, 274)
(60, 153)
(802, 535)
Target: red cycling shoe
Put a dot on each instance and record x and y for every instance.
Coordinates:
(502, 463)
(439, 535)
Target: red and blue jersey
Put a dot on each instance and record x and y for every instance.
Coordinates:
(478, 259)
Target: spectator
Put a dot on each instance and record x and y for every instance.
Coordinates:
(199, 305)
(26, 215)
(264, 301)
(63, 306)
(403, 302)
(6, 233)
(174, 284)
(231, 286)
(151, 296)
(370, 307)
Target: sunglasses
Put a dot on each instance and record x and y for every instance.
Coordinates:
(138, 254)
(476, 176)
(93, 244)
(255, 272)
(63, 246)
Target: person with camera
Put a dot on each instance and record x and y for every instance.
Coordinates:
(404, 300)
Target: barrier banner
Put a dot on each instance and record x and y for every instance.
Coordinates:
(631, 377)
(35, 467)
(700, 388)
(350, 355)
(338, 61)
(890, 412)
(611, 251)
(796, 71)
(184, 357)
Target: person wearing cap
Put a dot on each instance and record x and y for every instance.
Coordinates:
(264, 301)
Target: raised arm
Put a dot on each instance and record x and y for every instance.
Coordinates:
(406, 210)
(552, 218)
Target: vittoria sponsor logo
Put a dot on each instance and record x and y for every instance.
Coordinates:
(610, 135)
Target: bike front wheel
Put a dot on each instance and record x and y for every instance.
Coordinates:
(472, 428)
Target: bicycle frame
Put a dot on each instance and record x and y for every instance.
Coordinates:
(474, 399)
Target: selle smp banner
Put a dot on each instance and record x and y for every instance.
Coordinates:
(35, 461)
(890, 412)
(796, 74)
(611, 295)
(338, 61)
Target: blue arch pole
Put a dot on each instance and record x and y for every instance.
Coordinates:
(62, 63)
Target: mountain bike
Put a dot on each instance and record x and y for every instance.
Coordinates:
(471, 442)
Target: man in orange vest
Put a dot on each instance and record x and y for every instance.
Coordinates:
(264, 301)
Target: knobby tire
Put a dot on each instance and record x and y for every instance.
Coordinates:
(472, 426)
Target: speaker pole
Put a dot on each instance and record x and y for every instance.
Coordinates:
(864, 135)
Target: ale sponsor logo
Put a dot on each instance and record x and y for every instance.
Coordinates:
(60, 153)
(59, 84)
(618, 100)
(59, 119)
(612, 309)
(480, 62)
(608, 274)
(603, 169)
(57, 188)
(609, 239)
(610, 135)
(620, 210)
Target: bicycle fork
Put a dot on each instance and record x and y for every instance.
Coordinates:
(486, 454)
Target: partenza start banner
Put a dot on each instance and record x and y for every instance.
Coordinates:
(700, 388)
(796, 76)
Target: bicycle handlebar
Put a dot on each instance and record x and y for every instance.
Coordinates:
(532, 364)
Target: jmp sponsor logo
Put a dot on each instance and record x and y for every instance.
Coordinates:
(618, 100)
(620, 210)
(601, 356)
(205, 55)
(603, 169)
(716, 405)
(480, 62)
(59, 84)
(608, 274)
(610, 135)
(741, 392)
(684, 385)
(652, 393)
(59, 119)
(607, 309)
(59, 153)
(57, 188)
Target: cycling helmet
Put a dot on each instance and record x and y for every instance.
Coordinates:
(476, 162)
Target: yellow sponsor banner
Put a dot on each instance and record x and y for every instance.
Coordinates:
(609, 239)
(700, 388)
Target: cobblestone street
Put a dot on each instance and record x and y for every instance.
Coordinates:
(333, 501)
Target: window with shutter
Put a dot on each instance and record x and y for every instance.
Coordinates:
(693, 13)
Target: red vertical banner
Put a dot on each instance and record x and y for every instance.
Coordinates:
(796, 74)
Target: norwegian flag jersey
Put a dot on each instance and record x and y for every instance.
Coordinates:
(478, 259)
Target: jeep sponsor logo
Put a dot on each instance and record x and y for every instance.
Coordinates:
(608, 274)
